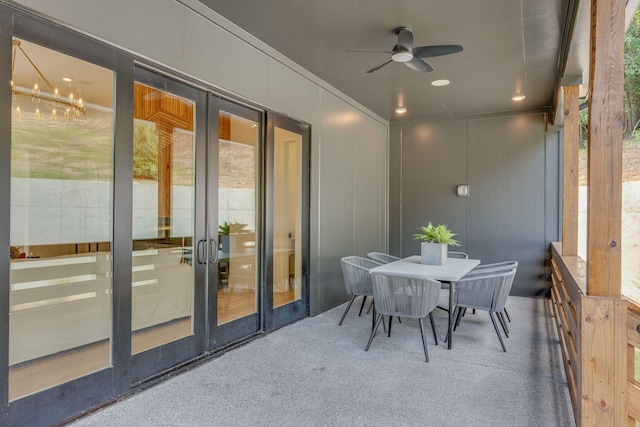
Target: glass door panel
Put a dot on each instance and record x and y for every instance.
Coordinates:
(237, 217)
(62, 146)
(234, 218)
(287, 217)
(163, 218)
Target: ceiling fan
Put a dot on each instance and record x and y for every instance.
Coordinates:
(411, 56)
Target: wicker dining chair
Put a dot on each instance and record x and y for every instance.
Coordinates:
(382, 257)
(357, 280)
(495, 267)
(485, 291)
(454, 254)
(403, 296)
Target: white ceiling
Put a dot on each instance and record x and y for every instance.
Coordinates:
(88, 81)
(510, 47)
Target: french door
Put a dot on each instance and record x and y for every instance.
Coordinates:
(235, 222)
(287, 213)
(220, 240)
(170, 249)
(196, 223)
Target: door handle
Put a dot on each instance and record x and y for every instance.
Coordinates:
(213, 249)
(200, 251)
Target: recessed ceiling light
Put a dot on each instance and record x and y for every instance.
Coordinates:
(442, 82)
(67, 79)
(518, 97)
(401, 110)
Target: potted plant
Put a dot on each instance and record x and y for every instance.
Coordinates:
(433, 250)
(230, 228)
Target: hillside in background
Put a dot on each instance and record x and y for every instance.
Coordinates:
(630, 161)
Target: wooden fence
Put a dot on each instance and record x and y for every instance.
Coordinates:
(599, 337)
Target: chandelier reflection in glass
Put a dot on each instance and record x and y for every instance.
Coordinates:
(59, 106)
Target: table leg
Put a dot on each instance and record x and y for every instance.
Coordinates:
(373, 318)
(452, 289)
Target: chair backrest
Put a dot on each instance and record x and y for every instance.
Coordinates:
(403, 296)
(355, 271)
(453, 254)
(486, 290)
(496, 266)
(381, 257)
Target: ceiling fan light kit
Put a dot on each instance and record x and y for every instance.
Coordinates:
(413, 57)
(402, 56)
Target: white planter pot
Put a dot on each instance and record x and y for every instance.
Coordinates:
(433, 253)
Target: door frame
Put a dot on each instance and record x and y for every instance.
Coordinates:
(97, 387)
(244, 327)
(154, 361)
(275, 318)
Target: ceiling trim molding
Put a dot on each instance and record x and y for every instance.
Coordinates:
(529, 112)
(209, 14)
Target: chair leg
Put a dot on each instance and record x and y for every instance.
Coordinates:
(507, 314)
(373, 332)
(347, 309)
(364, 299)
(453, 318)
(424, 341)
(433, 328)
(503, 322)
(389, 330)
(370, 306)
(495, 326)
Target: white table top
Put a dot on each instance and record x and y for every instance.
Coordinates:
(454, 270)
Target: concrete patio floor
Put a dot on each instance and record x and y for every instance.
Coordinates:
(316, 373)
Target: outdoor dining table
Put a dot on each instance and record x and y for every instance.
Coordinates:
(454, 270)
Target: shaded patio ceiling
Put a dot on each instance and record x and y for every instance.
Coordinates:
(510, 47)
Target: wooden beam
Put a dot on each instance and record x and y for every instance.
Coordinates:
(570, 171)
(224, 126)
(604, 214)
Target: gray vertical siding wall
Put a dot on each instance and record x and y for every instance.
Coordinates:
(348, 142)
(511, 166)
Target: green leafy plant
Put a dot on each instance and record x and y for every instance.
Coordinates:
(145, 151)
(440, 234)
(232, 228)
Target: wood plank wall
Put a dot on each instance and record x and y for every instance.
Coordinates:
(596, 335)
(633, 345)
(568, 281)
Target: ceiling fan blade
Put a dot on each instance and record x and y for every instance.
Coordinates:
(370, 51)
(405, 39)
(419, 65)
(439, 50)
(377, 67)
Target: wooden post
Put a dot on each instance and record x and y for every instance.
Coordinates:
(606, 117)
(165, 176)
(570, 172)
(603, 361)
